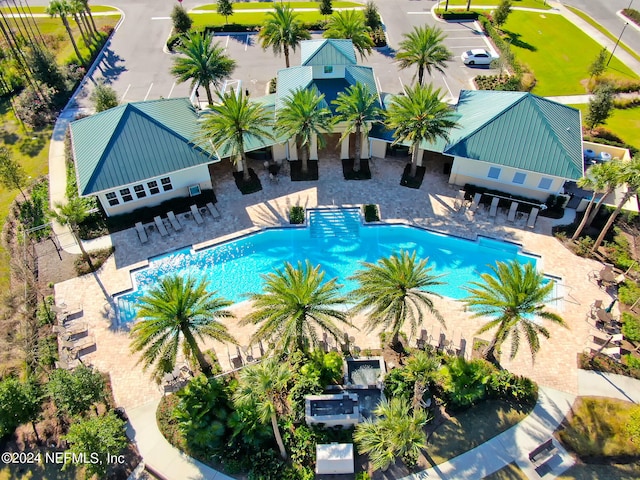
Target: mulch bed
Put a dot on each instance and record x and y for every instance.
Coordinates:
(296, 171)
(364, 173)
(409, 181)
(252, 186)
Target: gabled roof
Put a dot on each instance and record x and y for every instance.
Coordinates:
(134, 142)
(519, 130)
(291, 79)
(328, 51)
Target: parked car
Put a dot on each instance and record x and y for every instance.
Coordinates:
(478, 56)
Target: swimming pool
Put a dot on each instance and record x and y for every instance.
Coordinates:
(337, 241)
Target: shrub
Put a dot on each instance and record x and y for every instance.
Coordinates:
(273, 85)
(371, 15)
(181, 20)
(631, 14)
(174, 41)
(629, 292)
(98, 257)
(505, 385)
(631, 361)
(583, 246)
(296, 215)
(36, 109)
(104, 97)
(631, 327)
(371, 213)
(619, 250)
(465, 383)
(602, 363)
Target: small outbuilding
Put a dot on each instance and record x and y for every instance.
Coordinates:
(334, 458)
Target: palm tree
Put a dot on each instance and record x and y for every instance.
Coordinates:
(174, 313)
(397, 433)
(203, 62)
(87, 9)
(350, 24)
(419, 116)
(61, 8)
(282, 31)
(262, 388)
(232, 123)
(302, 116)
(358, 107)
(424, 48)
(396, 290)
(72, 214)
(76, 8)
(602, 178)
(512, 296)
(295, 305)
(629, 174)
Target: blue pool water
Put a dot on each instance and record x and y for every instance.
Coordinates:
(336, 241)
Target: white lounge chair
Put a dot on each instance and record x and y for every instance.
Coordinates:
(531, 223)
(174, 221)
(142, 234)
(213, 210)
(79, 345)
(196, 215)
(476, 201)
(161, 228)
(511, 217)
(459, 201)
(494, 207)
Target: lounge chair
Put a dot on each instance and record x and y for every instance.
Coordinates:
(196, 215)
(71, 330)
(161, 228)
(142, 234)
(459, 201)
(531, 223)
(213, 210)
(511, 217)
(493, 211)
(476, 201)
(77, 346)
(174, 221)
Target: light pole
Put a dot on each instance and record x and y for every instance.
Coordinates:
(617, 42)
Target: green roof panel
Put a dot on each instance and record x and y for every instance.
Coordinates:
(327, 52)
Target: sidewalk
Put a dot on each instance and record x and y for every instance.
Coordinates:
(599, 384)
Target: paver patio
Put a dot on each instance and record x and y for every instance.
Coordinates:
(432, 206)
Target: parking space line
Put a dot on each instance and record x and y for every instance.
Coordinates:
(447, 85)
(401, 84)
(227, 42)
(160, 18)
(171, 91)
(125, 93)
(148, 91)
(418, 13)
(246, 42)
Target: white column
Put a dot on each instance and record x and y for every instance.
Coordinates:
(344, 149)
(313, 154)
(293, 150)
(420, 156)
(279, 151)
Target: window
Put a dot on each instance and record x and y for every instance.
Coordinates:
(519, 178)
(139, 189)
(194, 190)
(545, 183)
(166, 184)
(125, 193)
(153, 187)
(112, 199)
(328, 69)
(494, 172)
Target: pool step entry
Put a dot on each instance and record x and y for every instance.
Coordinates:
(340, 222)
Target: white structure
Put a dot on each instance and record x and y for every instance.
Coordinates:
(334, 458)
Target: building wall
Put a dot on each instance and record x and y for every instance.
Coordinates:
(476, 172)
(378, 148)
(321, 71)
(180, 182)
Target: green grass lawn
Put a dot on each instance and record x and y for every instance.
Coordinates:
(557, 52)
(42, 9)
(40, 472)
(269, 5)
(602, 472)
(471, 428)
(603, 30)
(541, 4)
(624, 123)
(247, 18)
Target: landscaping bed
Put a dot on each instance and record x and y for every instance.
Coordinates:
(247, 187)
(297, 175)
(350, 174)
(412, 182)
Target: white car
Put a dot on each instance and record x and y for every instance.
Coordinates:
(478, 56)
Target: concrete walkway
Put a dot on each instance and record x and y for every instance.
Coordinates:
(599, 384)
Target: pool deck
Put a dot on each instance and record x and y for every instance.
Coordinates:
(432, 206)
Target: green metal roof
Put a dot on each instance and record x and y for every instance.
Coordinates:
(134, 142)
(291, 79)
(327, 52)
(360, 74)
(519, 130)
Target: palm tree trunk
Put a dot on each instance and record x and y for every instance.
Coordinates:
(85, 39)
(583, 222)
(490, 354)
(285, 49)
(65, 22)
(446, 6)
(414, 159)
(245, 169)
(628, 194)
(358, 150)
(195, 349)
(35, 430)
(420, 74)
(85, 255)
(595, 211)
(95, 29)
(207, 89)
(276, 433)
(468, 5)
(87, 25)
(306, 153)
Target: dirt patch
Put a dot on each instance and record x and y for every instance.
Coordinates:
(54, 266)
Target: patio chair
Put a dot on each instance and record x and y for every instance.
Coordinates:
(174, 221)
(493, 211)
(77, 346)
(142, 234)
(511, 217)
(476, 202)
(531, 222)
(196, 215)
(160, 224)
(71, 330)
(213, 210)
